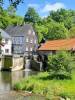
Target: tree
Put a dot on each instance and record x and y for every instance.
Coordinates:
(60, 65)
(7, 19)
(65, 16)
(14, 3)
(41, 31)
(72, 32)
(11, 11)
(31, 16)
(57, 31)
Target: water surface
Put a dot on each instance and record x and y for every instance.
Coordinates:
(8, 79)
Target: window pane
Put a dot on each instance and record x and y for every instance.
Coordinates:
(26, 48)
(30, 49)
(27, 40)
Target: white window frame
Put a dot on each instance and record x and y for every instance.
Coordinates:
(31, 49)
(29, 32)
(35, 41)
(26, 48)
(31, 41)
(27, 40)
(33, 33)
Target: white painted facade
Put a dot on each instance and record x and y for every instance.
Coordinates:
(6, 48)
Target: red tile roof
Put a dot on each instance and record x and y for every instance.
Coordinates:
(67, 44)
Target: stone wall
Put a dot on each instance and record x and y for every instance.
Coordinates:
(18, 63)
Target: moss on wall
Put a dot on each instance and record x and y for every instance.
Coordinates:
(7, 62)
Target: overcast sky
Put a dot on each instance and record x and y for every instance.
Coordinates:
(43, 6)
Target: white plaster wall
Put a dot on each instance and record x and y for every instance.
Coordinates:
(7, 45)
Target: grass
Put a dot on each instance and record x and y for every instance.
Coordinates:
(42, 84)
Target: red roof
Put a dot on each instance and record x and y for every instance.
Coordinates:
(67, 44)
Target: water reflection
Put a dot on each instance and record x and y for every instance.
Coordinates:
(7, 79)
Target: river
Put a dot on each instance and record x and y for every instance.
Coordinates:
(8, 79)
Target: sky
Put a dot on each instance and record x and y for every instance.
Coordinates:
(43, 7)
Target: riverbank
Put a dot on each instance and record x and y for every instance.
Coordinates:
(41, 84)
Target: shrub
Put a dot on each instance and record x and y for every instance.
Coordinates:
(60, 65)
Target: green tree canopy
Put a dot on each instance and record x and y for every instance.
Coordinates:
(31, 16)
(14, 3)
(63, 15)
(60, 65)
(72, 32)
(57, 31)
(7, 18)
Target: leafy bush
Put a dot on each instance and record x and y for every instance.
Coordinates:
(60, 65)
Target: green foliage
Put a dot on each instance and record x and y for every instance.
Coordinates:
(31, 16)
(60, 65)
(65, 16)
(41, 31)
(14, 3)
(57, 25)
(11, 10)
(8, 17)
(41, 84)
(72, 32)
(57, 31)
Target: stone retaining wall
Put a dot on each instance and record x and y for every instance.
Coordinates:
(17, 63)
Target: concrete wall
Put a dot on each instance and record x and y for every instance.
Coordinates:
(18, 63)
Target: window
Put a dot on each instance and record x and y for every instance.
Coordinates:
(29, 32)
(26, 48)
(18, 49)
(6, 40)
(18, 39)
(6, 50)
(31, 41)
(35, 41)
(27, 40)
(30, 49)
(3, 40)
(33, 33)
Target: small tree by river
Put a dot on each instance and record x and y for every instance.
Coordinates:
(60, 65)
